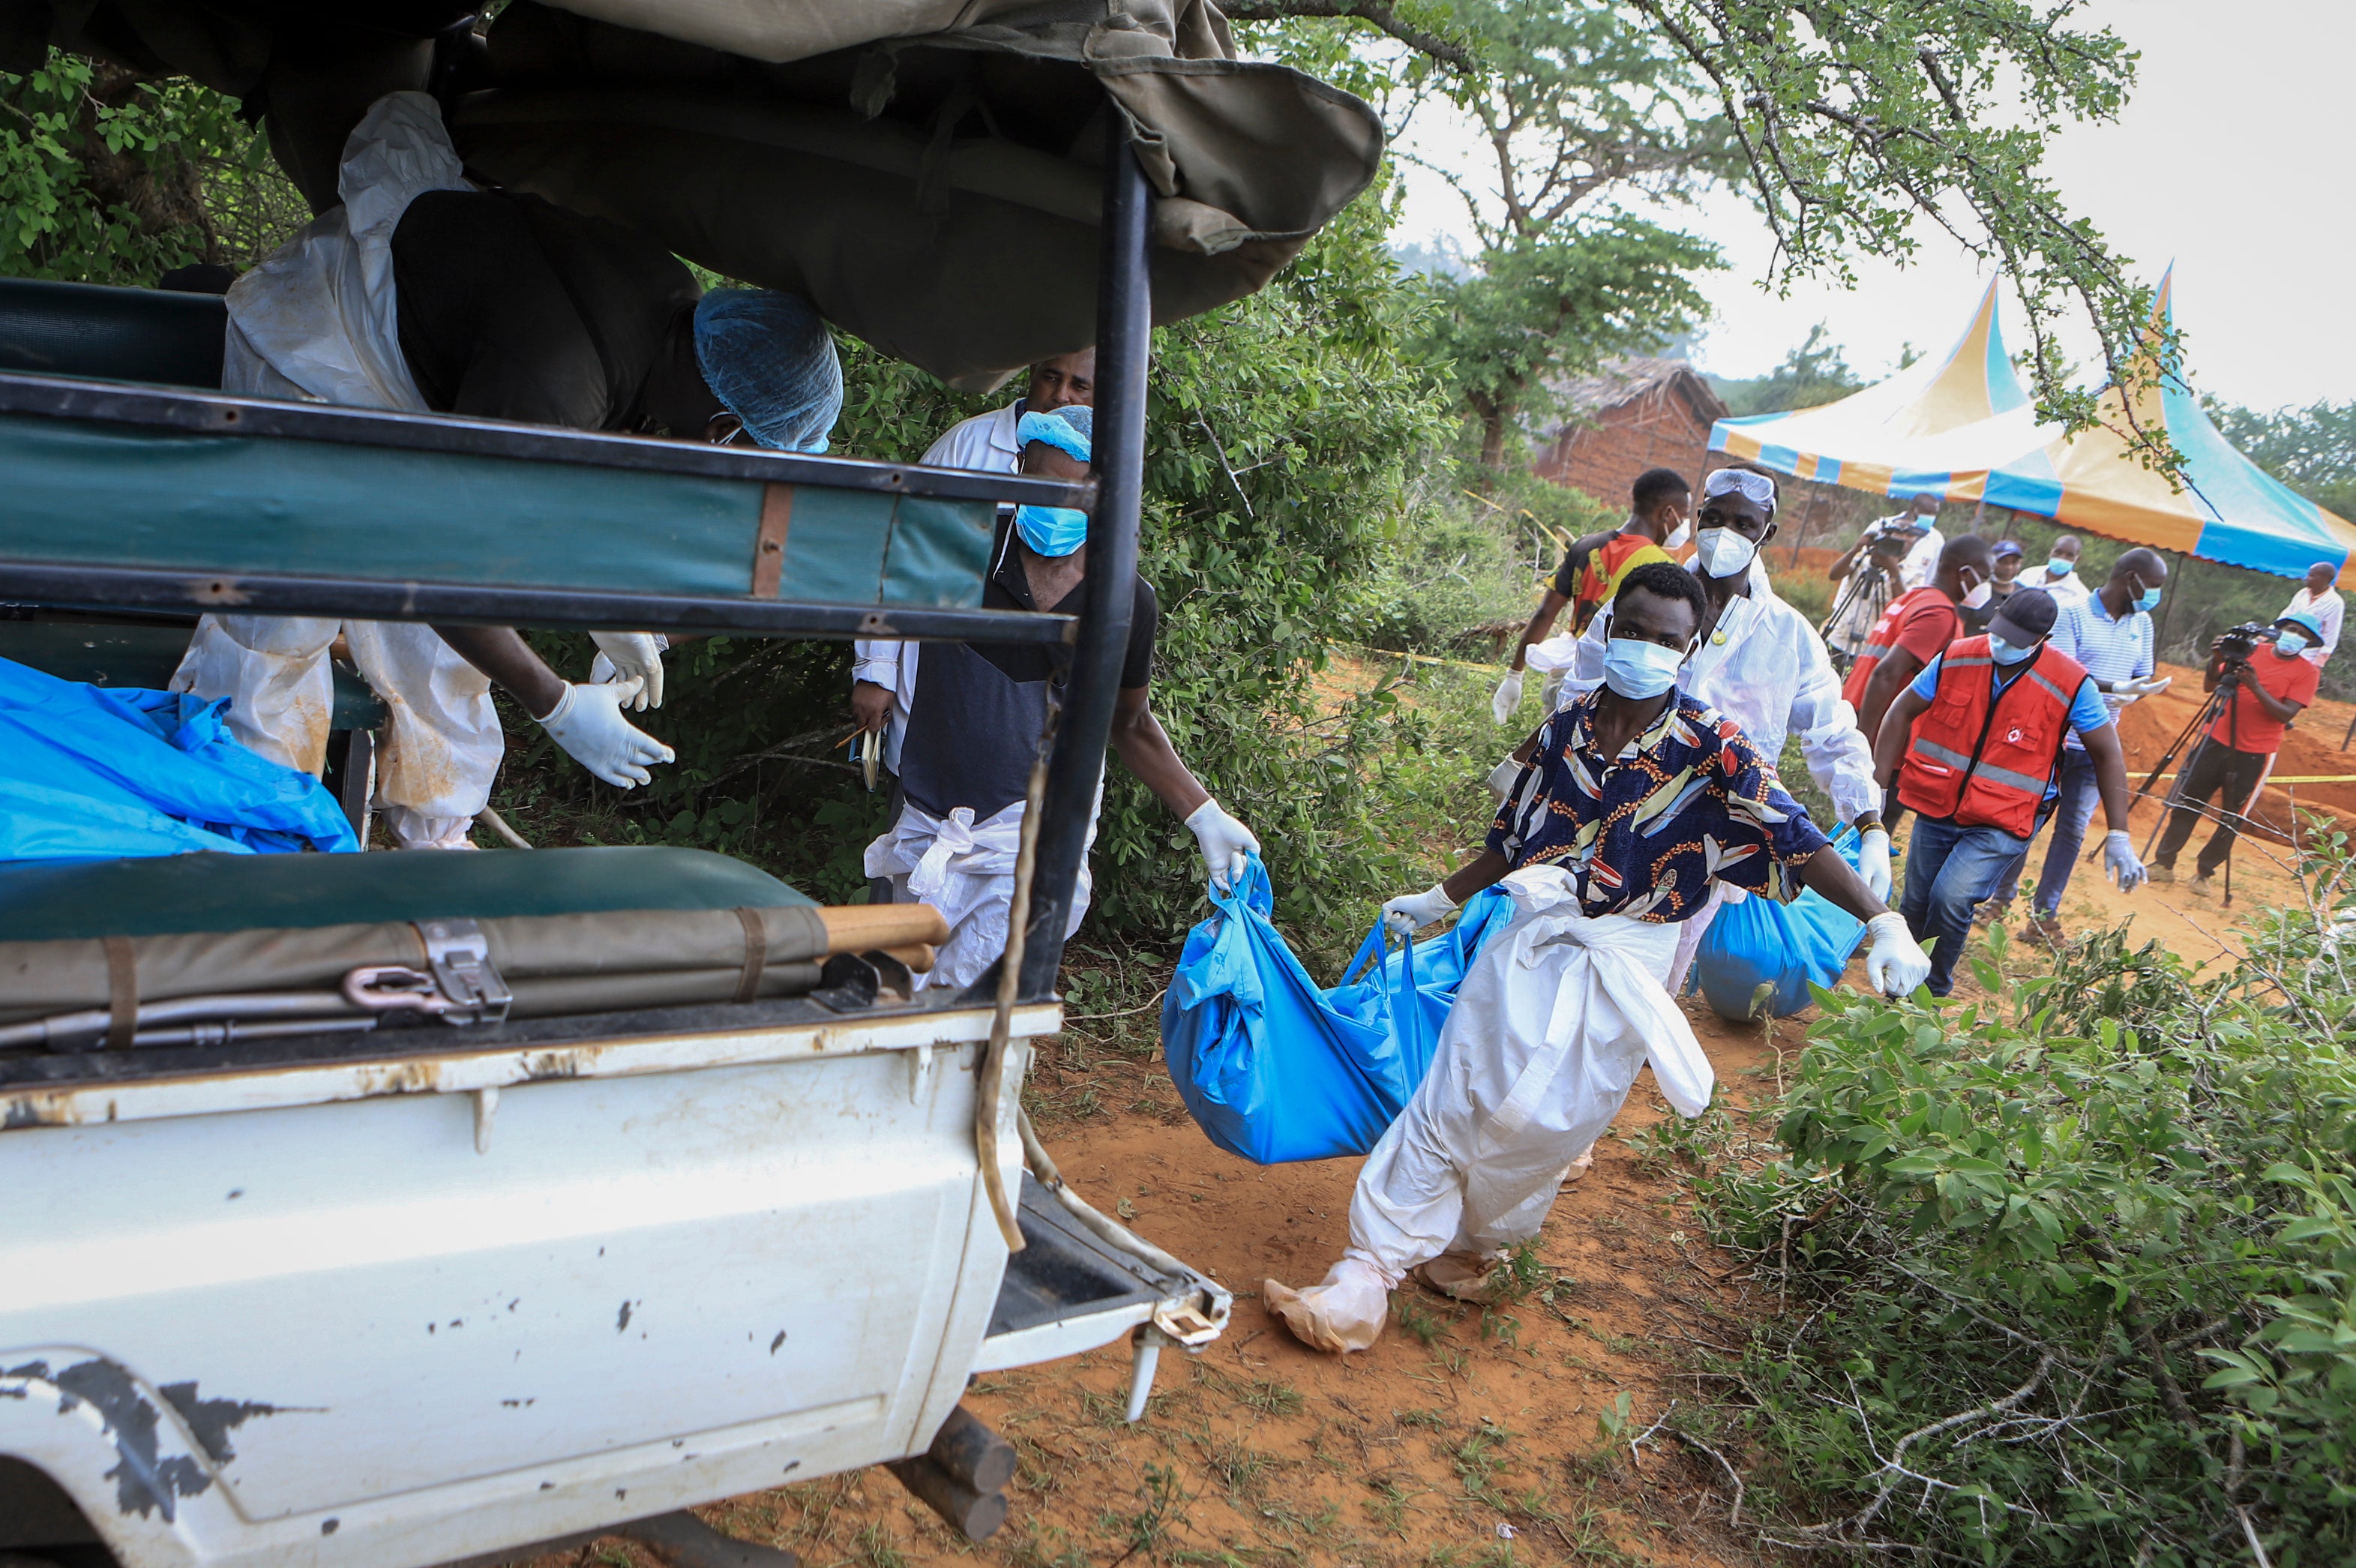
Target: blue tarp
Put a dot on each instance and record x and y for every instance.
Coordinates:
(87, 772)
(1788, 946)
(1276, 1068)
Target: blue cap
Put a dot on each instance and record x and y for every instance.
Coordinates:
(2307, 624)
(2010, 547)
(770, 359)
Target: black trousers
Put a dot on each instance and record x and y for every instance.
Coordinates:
(2215, 769)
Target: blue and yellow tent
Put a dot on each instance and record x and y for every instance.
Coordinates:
(1962, 428)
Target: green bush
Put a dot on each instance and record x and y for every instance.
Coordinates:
(2070, 1274)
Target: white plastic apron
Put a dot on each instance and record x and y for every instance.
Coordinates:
(318, 320)
(966, 870)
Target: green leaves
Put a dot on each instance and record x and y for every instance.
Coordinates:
(2136, 1179)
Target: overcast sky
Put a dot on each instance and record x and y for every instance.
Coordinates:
(2232, 159)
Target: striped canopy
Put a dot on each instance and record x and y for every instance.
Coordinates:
(1933, 427)
(2222, 508)
(1962, 428)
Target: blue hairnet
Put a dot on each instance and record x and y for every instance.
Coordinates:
(772, 361)
(1071, 429)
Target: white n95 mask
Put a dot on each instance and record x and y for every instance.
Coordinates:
(1979, 596)
(1723, 552)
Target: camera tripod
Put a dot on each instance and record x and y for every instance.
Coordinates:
(1859, 575)
(2219, 700)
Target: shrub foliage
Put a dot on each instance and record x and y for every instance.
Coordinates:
(2070, 1276)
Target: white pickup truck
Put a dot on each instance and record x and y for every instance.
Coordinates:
(282, 1300)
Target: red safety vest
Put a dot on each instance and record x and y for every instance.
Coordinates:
(1884, 639)
(1984, 757)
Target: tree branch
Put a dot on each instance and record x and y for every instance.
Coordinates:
(1384, 18)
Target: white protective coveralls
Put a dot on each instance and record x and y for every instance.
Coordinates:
(1549, 1027)
(962, 867)
(317, 321)
(1764, 667)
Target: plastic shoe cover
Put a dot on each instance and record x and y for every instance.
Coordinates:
(1466, 1276)
(1579, 1167)
(1346, 1311)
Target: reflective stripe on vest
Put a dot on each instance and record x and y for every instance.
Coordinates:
(1973, 787)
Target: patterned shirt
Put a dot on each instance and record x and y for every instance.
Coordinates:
(1646, 832)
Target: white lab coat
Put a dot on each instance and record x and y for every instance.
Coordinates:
(985, 442)
(2329, 611)
(1922, 562)
(317, 320)
(1550, 1024)
(1764, 667)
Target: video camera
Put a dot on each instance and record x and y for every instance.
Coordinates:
(1892, 537)
(2237, 643)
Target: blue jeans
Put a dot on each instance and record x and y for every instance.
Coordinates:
(1948, 871)
(2070, 812)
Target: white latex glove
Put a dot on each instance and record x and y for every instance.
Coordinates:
(1507, 697)
(624, 654)
(587, 723)
(1224, 842)
(2141, 686)
(1897, 964)
(2119, 859)
(1873, 862)
(1410, 912)
(1502, 777)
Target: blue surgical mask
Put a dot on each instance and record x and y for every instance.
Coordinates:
(1637, 670)
(2147, 601)
(2290, 644)
(2059, 567)
(1052, 529)
(2004, 652)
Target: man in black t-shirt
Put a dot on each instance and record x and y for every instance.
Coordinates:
(970, 734)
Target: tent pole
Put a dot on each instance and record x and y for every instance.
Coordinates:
(1124, 340)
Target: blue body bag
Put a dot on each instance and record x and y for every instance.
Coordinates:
(1276, 1068)
(1788, 946)
(89, 772)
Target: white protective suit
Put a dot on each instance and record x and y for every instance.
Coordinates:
(317, 321)
(1550, 1024)
(1764, 667)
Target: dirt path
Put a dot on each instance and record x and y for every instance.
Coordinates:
(1465, 1438)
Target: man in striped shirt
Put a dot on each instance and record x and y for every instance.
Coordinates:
(2109, 632)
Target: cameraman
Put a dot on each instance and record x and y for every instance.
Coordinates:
(1892, 550)
(2268, 688)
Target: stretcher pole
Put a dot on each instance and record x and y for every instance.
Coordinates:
(1124, 329)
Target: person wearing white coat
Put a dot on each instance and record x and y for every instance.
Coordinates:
(1762, 664)
(1635, 798)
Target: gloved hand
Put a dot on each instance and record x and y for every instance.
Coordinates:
(1502, 777)
(2119, 859)
(1224, 843)
(1507, 697)
(1410, 912)
(587, 723)
(622, 654)
(2141, 686)
(1897, 964)
(1873, 862)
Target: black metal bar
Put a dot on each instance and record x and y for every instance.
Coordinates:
(1124, 341)
(193, 411)
(117, 587)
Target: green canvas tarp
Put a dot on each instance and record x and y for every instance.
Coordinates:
(927, 172)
